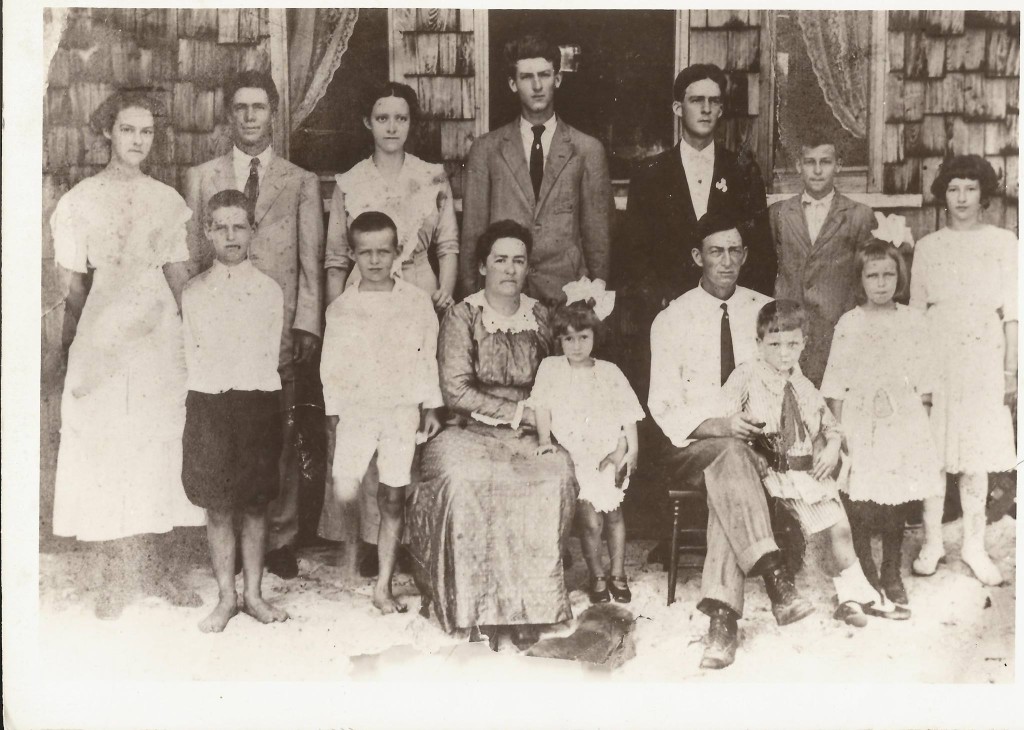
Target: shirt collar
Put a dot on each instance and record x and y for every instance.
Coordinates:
(242, 159)
(686, 152)
(526, 129)
(773, 379)
(222, 271)
(825, 202)
(711, 300)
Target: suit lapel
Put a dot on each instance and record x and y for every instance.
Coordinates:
(561, 150)
(793, 213)
(270, 187)
(512, 152)
(833, 220)
(224, 174)
(680, 188)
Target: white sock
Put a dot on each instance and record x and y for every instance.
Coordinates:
(851, 585)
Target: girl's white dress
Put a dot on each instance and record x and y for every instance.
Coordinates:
(966, 282)
(123, 406)
(589, 408)
(879, 366)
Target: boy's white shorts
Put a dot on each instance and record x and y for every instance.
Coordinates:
(390, 432)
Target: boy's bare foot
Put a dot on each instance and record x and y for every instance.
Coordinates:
(224, 611)
(386, 602)
(265, 613)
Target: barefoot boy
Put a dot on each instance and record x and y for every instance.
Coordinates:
(817, 234)
(379, 369)
(233, 316)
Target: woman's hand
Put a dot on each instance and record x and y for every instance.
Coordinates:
(545, 448)
(442, 300)
(631, 461)
(825, 461)
(431, 424)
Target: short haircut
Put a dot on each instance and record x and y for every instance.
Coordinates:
(531, 46)
(383, 90)
(578, 316)
(697, 72)
(717, 222)
(230, 199)
(966, 167)
(251, 80)
(371, 221)
(817, 138)
(877, 251)
(502, 229)
(102, 120)
(780, 315)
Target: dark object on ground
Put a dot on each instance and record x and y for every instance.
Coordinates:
(1002, 496)
(598, 590)
(721, 641)
(788, 606)
(619, 588)
(282, 563)
(789, 537)
(603, 637)
(369, 566)
(852, 614)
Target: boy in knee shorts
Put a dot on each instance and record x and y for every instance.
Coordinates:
(232, 315)
(379, 372)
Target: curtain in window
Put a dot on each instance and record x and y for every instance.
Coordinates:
(839, 46)
(317, 40)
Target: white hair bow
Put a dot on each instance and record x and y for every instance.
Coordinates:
(585, 289)
(893, 228)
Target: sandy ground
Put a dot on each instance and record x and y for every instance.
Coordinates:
(960, 631)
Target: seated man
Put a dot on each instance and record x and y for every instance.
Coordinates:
(695, 344)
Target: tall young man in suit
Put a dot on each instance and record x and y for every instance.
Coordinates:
(817, 234)
(288, 246)
(544, 174)
(674, 190)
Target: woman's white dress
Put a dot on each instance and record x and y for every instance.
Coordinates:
(966, 282)
(879, 366)
(123, 406)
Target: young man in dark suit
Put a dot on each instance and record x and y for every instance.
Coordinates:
(543, 174)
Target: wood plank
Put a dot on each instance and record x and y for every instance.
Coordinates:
(893, 98)
(456, 138)
(481, 38)
(198, 22)
(402, 19)
(974, 96)
(86, 98)
(203, 109)
(467, 90)
(905, 20)
(897, 49)
(709, 46)
(465, 53)
(1011, 164)
(1002, 57)
(945, 96)
(426, 52)
(913, 101)
(227, 25)
(944, 22)
(248, 25)
(766, 97)
(743, 51)
(998, 163)
(934, 138)
(1011, 217)
(985, 18)
(277, 45)
(959, 138)
(901, 178)
(736, 97)
(1001, 137)
(448, 53)
(437, 19)
(976, 138)
(1013, 94)
(935, 51)
(753, 94)
(698, 18)
(995, 98)
(893, 147)
(876, 98)
(913, 144)
(915, 64)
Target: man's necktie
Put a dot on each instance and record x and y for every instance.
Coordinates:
(537, 160)
(791, 425)
(728, 357)
(252, 185)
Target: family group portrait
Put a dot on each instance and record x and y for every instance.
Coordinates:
(673, 345)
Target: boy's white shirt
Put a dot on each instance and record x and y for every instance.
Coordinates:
(380, 349)
(816, 211)
(232, 318)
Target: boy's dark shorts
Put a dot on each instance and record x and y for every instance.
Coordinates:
(230, 448)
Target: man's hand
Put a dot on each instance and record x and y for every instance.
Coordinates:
(431, 424)
(441, 300)
(304, 346)
(545, 448)
(826, 459)
(742, 426)
(760, 463)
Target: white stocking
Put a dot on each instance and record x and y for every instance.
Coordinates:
(973, 495)
(932, 549)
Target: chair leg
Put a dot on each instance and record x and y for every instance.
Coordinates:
(673, 559)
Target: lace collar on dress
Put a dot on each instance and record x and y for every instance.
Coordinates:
(523, 320)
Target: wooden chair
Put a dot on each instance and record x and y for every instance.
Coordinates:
(695, 548)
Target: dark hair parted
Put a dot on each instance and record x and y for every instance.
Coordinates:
(781, 315)
(230, 199)
(383, 90)
(693, 74)
(502, 229)
(102, 120)
(577, 316)
(251, 80)
(879, 251)
(966, 167)
(716, 222)
(371, 221)
(531, 46)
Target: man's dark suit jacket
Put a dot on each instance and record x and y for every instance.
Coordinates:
(661, 226)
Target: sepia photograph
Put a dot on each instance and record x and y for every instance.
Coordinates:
(670, 351)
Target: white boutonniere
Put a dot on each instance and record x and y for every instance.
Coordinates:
(721, 185)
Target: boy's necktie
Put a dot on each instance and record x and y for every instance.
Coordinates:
(791, 425)
(728, 357)
(252, 185)
(537, 160)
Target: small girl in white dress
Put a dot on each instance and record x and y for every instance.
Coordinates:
(879, 383)
(590, 409)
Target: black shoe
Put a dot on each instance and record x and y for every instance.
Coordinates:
(720, 643)
(619, 588)
(598, 591)
(524, 636)
(238, 561)
(852, 614)
(369, 566)
(787, 604)
(895, 613)
(895, 591)
(282, 563)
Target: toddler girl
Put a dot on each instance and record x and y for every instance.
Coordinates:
(588, 406)
(879, 383)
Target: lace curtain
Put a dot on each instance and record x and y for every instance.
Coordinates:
(317, 40)
(839, 46)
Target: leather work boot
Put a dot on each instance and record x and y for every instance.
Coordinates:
(788, 606)
(720, 643)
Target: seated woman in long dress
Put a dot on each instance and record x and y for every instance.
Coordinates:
(123, 407)
(489, 517)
